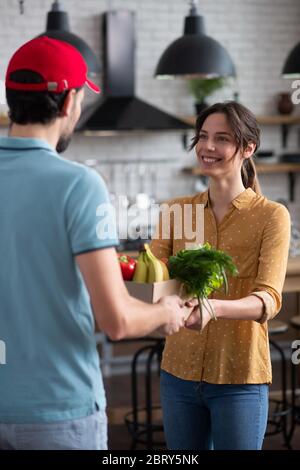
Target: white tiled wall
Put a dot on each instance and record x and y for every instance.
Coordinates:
(257, 33)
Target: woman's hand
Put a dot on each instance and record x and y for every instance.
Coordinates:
(199, 317)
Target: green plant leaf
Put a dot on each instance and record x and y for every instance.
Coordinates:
(202, 270)
(200, 88)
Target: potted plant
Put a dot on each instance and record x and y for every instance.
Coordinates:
(201, 88)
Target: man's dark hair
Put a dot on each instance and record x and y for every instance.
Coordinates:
(33, 107)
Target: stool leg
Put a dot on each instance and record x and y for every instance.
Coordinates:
(149, 399)
(284, 399)
(134, 398)
(139, 428)
(134, 391)
(294, 407)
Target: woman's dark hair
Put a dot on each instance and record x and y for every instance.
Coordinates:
(245, 130)
(33, 107)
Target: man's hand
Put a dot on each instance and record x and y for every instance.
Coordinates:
(198, 319)
(177, 313)
(117, 313)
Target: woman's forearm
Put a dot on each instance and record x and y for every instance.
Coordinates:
(248, 308)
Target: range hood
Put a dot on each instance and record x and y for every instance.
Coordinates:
(119, 110)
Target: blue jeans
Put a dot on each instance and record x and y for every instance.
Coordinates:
(202, 416)
(88, 433)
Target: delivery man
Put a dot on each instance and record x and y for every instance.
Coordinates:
(59, 270)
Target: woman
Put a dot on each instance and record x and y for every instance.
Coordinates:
(214, 382)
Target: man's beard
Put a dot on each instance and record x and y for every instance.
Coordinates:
(63, 143)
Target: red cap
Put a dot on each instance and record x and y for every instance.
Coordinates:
(60, 64)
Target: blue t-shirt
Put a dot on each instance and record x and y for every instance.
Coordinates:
(51, 209)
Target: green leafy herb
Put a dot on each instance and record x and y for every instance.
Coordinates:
(202, 270)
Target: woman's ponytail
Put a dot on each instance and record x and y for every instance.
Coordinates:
(249, 177)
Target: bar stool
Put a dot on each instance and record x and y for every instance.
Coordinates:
(277, 420)
(295, 323)
(144, 422)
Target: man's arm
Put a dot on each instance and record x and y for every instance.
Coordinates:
(117, 313)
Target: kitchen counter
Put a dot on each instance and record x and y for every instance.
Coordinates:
(292, 280)
(131, 254)
(292, 284)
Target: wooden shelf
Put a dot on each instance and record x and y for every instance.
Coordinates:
(190, 120)
(272, 120)
(268, 168)
(4, 121)
(265, 168)
(263, 120)
(278, 120)
(262, 168)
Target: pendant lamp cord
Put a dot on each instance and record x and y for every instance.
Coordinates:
(193, 7)
(21, 5)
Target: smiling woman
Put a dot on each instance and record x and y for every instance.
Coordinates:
(226, 363)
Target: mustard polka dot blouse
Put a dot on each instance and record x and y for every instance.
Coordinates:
(255, 232)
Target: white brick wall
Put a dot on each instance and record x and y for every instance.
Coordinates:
(258, 34)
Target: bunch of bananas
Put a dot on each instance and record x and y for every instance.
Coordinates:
(149, 268)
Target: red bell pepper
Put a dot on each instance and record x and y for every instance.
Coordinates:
(127, 265)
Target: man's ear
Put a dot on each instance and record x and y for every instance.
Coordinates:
(249, 150)
(68, 104)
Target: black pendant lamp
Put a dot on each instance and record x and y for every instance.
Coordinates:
(58, 27)
(195, 54)
(291, 68)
